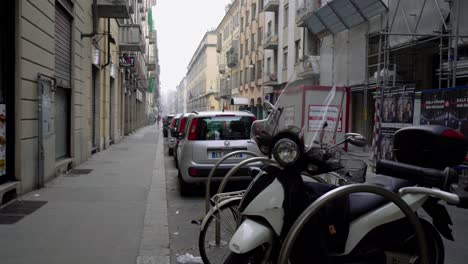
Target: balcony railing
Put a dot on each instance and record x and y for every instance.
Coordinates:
(271, 5)
(225, 89)
(232, 58)
(152, 37)
(113, 8)
(131, 38)
(222, 68)
(270, 41)
(310, 66)
(270, 78)
(151, 66)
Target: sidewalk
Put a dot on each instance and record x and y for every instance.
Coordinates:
(115, 214)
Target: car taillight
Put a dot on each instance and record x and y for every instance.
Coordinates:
(450, 133)
(192, 135)
(192, 172)
(182, 124)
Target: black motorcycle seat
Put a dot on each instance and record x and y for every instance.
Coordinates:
(362, 203)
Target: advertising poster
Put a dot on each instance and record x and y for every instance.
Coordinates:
(446, 107)
(317, 114)
(398, 112)
(2, 139)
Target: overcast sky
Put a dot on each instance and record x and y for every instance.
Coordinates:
(181, 24)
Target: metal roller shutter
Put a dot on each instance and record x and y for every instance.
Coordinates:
(63, 37)
(93, 106)
(63, 49)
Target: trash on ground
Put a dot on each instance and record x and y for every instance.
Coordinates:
(189, 259)
(176, 233)
(197, 221)
(36, 194)
(177, 212)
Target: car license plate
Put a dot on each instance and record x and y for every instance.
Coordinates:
(218, 154)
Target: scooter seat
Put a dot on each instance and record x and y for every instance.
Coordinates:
(362, 203)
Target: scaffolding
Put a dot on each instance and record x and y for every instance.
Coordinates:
(450, 68)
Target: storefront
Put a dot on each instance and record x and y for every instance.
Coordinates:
(7, 88)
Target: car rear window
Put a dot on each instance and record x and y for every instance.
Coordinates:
(224, 127)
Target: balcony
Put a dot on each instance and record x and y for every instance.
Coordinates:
(131, 38)
(225, 91)
(232, 58)
(151, 65)
(113, 8)
(222, 68)
(152, 37)
(304, 8)
(270, 41)
(310, 66)
(270, 79)
(271, 5)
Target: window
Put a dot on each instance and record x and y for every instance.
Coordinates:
(297, 47)
(286, 15)
(254, 11)
(241, 77)
(285, 58)
(247, 18)
(246, 46)
(268, 68)
(269, 28)
(252, 73)
(242, 24)
(260, 34)
(241, 49)
(246, 73)
(252, 42)
(260, 4)
(259, 69)
(224, 127)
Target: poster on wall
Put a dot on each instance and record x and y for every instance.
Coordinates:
(446, 107)
(2, 139)
(317, 114)
(398, 112)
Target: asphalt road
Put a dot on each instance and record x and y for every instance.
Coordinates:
(184, 235)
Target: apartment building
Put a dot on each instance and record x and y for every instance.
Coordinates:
(202, 86)
(251, 54)
(227, 48)
(182, 96)
(65, 83)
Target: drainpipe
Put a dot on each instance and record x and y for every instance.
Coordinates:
(108, 44)
(95, 19)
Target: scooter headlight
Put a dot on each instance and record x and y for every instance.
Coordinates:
(286, 152)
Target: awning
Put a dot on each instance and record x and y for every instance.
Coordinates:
(339, 15)
(239, 101)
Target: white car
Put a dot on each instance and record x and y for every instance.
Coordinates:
(207, 137)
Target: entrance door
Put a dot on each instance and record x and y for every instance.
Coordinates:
(62, 123)
(93, 98)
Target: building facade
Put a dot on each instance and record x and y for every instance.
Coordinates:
(227, 48)
(202, 86)
(251, 54)
(65, 85)
(182, 96)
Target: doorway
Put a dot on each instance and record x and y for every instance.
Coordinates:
(111, 111)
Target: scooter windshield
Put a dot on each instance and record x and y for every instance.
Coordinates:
(310, 112)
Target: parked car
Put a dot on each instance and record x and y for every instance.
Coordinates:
(166, 122)
(207, 137)
(179, 133)
(172, 134)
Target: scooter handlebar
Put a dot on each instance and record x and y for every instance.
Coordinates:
(424, 176)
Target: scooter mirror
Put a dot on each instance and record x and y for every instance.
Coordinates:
(356, 139)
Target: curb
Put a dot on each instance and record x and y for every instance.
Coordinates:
(154, 245)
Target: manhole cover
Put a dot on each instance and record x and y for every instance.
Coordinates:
(15, 211)
(80, 171)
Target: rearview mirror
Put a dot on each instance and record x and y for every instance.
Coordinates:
(356, 139)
